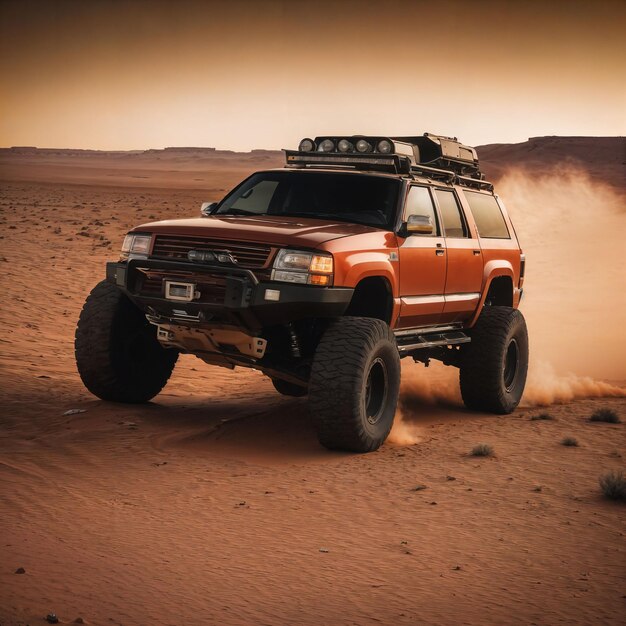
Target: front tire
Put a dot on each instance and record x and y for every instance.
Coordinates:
(495, 363)
(354, 384)
(117, 353)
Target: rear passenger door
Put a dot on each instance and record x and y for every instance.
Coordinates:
(497, 238)
(465, 262)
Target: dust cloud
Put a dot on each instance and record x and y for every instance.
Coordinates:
(572, 230)
(422, 392)
(546, 387)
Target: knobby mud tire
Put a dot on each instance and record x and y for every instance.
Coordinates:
(117, 352)
(494, 364)
(354, 385)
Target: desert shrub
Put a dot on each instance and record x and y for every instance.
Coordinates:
(605, 415)
(541, 416)
(613, 486)
(482, 449)
(569, 441)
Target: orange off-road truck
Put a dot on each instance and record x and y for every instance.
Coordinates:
(323, 275)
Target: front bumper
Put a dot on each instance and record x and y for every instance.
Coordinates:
(242, 299)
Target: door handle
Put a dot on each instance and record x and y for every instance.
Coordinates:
(476, 252)
(439, 252)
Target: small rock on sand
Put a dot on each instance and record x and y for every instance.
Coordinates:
(75, 411)
(51, 618)
(20, 570)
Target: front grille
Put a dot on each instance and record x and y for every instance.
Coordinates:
(250, 255)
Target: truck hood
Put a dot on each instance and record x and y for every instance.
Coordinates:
(268, 229)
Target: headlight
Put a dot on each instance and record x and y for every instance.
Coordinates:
(136, 244)
(306, 145)
(304, 268)
(328, 145)
(363, 146)
(345, 146)
(385, 146)
(128, 240)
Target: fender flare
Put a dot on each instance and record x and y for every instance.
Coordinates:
(491, 271)
(381, 268)
(368, 268)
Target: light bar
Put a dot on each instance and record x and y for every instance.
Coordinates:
(339, 159)
(393, 162)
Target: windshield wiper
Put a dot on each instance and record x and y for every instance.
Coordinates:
(238, 212)
(317, 216)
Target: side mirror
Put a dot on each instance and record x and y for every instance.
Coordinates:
(207, 208)
(419, 225)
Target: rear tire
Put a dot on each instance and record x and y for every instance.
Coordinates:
(495, 363)
(289, 389)
(354, 385)
(117, 353)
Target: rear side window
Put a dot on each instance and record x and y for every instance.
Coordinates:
(453, 223)
(487, 215)
(419, 202)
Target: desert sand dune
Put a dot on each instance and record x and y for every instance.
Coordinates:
(215, 505)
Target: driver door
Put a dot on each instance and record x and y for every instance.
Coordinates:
(422, 265)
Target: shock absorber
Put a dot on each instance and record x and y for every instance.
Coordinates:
(294, 342)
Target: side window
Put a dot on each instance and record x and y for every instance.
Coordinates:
(453, 222)
(487, 215)
(419, 202)
(256, 199)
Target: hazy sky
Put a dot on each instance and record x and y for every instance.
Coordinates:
(123, 74)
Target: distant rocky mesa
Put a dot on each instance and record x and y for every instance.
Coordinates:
(603, 158)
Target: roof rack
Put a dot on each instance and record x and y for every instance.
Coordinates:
(451, 177)
(432, 156)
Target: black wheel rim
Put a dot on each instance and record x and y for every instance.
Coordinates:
(511, 364)
(376, 390)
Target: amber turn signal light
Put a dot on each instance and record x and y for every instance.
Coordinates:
(316, 279)
(321, 264)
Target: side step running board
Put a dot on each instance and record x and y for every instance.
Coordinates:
(430, 340)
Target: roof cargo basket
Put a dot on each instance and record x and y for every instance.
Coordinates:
(445, 153)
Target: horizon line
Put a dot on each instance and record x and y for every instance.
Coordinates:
(215, 149)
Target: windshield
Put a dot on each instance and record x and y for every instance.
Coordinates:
(355, 198)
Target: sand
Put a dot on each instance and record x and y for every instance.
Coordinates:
(214, 504)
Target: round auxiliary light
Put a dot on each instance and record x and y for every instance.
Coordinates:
(306, 145)
(328, 145)
(385, 146)
(345, 146)
(363, 146)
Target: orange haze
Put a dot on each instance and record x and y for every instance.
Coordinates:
(243, 74)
